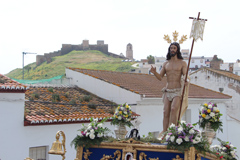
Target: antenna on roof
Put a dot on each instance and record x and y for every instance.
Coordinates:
(23, 61)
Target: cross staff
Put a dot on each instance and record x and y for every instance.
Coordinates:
(188, 67)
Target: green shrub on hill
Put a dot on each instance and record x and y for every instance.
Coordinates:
(77, 59)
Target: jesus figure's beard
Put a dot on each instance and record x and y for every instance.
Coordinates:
(173, 54)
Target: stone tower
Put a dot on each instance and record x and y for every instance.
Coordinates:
(129, 52)
(215, 63)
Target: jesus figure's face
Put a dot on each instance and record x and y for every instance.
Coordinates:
(173, 50)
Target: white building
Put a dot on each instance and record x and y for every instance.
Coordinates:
(28, 128)
(159, 60)
(227, 83)
(236, 68)
(36, 133)
(139, 89)
(196, 61)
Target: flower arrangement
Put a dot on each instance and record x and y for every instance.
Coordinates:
(210, 114)
(184, 136)
(122, 115)
(225, 150)
(93, 134)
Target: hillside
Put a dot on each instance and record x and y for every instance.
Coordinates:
(90, 59)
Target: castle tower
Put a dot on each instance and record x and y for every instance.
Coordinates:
(129, 52)
(85, 44)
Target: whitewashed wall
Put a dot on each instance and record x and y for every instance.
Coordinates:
(213, 81)
(151, 111)
(236, 68)
(16, 139)
(197, 61)
(102, 89)
(11, 122)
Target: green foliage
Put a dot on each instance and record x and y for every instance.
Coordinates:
(87, 98)
(86, 142)
(90, 59)
(225, 150)
(35, 95)
(2, 81)
(151, 59)
(55, 97)
(150, 138)
(92, 105)
(73, 101)
(31, 98)
(66, 94)
(50, 89)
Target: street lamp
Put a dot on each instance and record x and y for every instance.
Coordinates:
(23, 61)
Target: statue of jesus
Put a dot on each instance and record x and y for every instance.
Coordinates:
(174, 68)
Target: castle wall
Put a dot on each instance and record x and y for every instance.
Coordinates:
(115, 55)
(102, 48)
(40, 59)
(66, 48)
(49, 56)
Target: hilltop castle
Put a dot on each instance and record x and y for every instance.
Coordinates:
(66, 48)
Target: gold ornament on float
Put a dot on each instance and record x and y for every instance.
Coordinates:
(175, 38)
(86, 154)
(57, 145)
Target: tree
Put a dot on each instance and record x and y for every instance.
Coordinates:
(151, 59)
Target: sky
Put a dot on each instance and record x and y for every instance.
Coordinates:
(42, 26)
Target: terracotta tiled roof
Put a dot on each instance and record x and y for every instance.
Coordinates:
(221, 72)
(146, 84)
(72, 106)
(9, 85)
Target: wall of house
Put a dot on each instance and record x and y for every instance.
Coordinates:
(102, 89)
(36, 136)
(16, 139)
(154, 107)
(236, 68)
(199, 62)
(153, 123)
(213, 81)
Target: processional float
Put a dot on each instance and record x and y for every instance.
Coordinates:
(132, 149)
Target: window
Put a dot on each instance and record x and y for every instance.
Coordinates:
(38, 153)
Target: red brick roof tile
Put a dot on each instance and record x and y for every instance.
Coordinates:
(43, 109)
(221, 72)
(9, 85)
(145, 84)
